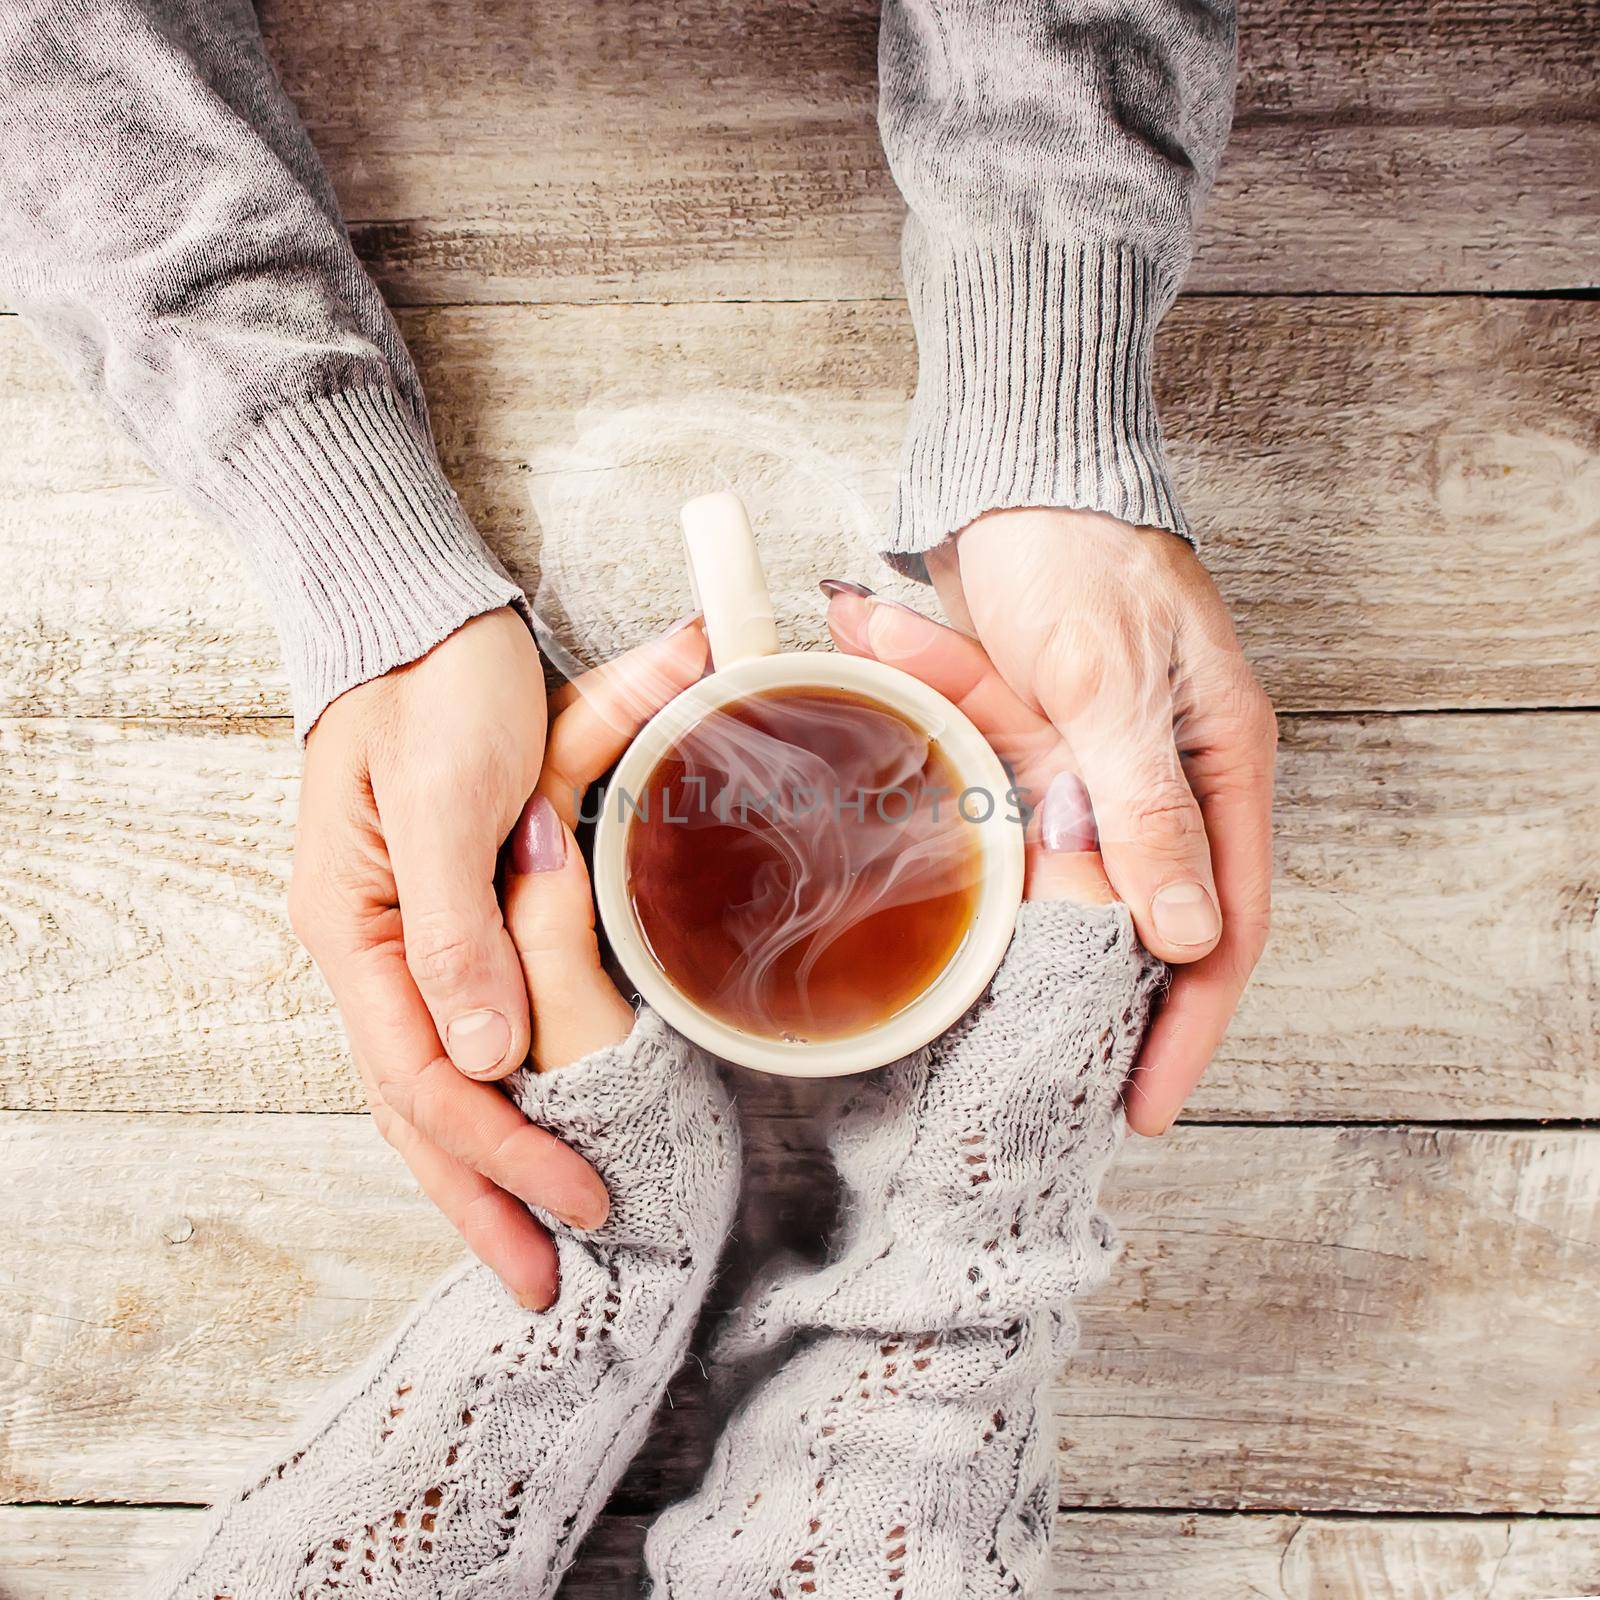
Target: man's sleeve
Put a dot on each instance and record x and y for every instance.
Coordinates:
(1054, 157)
(168, 231)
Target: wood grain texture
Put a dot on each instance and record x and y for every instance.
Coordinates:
(1400, 499)
(1402, 503)
(1370, 1319)
(1433, 955)
(85, 1553)
(1101, 1554)
(723, 149)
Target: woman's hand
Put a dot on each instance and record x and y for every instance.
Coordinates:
(1063, 855)
(412, 782)
(1119, 637)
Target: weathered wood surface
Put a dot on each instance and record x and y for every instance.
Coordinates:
(1369, 1319)
(720, 149)
(1099, 1554)
(71, 1553)
(1400, 498)
(1433, 955)
(87, 1553)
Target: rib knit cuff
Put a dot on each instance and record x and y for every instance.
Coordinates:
(360, 545)
(1033, 387)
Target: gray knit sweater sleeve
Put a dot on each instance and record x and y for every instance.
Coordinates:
(1054, 155)
(166, 227)
(906, 1447)
(469, 1458)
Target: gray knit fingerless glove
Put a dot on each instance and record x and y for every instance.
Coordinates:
(906, 1450)
(472, 1455)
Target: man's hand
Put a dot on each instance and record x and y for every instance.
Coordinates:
(412, 782)
(1120, 638)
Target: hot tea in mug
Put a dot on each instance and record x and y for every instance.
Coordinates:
(806, 862)
(800, 865)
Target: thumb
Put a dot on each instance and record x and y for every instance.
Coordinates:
(457, 948)
(1110, 695)
(1153, 839)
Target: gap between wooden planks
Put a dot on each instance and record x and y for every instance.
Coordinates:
(1400, 498)
(83, 1553)
(1364, 1319)
(1432, 956)
(1347, 170)
(728, 148)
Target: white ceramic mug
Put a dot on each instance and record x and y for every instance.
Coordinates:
(731, 589)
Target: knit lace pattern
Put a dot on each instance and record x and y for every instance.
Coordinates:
(471, 1456)
(905, 1449)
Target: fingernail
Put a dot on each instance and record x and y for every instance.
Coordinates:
(586, 1212)
(538, 842)
(1066, 819)
(477, 1041)
(1131, 1091)
(534, 1299)
(1154, 1133)
(682, 623)
(1185, 914)
(836, 586)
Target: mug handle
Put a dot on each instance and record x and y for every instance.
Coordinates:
(728, 582)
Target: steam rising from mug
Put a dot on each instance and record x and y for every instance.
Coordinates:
(809, 894)
(801, 865)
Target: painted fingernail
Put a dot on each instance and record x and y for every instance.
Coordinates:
(682, 623)
(837, 586)
(477, 1041)
(1066, 819)
(538, 842)
(1185, 914)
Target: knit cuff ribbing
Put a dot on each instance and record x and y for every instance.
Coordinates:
(358, 541)
(1033, 386)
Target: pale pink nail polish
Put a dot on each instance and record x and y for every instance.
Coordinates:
(538, 842)
(1066, 819)
(681, 624)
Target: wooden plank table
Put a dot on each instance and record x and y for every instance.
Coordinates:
(1351, 1350)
